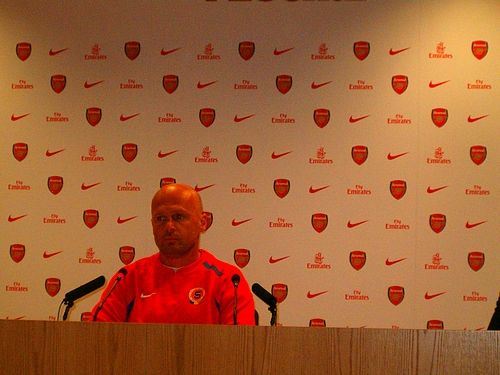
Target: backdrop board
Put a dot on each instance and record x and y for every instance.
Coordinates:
(346, 151)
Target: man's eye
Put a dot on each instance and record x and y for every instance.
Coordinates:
(161, 219)
(178, 217)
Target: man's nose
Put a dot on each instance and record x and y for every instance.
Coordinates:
(170, 224)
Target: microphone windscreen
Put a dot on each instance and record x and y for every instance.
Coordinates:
(123, 271)
(235, 279)
(263, 294)
(85, 289)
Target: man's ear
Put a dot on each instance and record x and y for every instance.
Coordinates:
(203, 222)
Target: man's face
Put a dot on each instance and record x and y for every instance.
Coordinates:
(177, 224)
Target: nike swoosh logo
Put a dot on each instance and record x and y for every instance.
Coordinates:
(278, 52)
(47, 255)
(431, 190)
(313, 295)
(313, 190)
(353, 225)
(121, 221)
(391, 262)
(474, 119)
(49, 153)
(88, 85)
(201, 85)
(18, 318)
(393, 52)
(201, 188)
(15, 218)
(395, 156)
(126, 118)
(353, 120)
(277, 156)
(473, 225)
(315, 85)
(15, 118)
(276, 260)
(87, 187)
(240, 119)
(165, 154)
(431, 296)
(433, 85)
(147, 295)
(165, 52)
(235, 222)
(53, 52)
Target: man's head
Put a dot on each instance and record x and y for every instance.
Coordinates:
(178, 220)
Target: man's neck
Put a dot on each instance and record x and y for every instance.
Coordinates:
(179, 262)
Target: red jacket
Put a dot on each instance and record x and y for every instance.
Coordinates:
(200, 293)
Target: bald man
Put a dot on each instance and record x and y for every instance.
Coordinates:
(181, 283)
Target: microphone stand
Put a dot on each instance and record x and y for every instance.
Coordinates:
(235, 309)
(236, 281)
(69, 304)
(101, 304)
(274, 312)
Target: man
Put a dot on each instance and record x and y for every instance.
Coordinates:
(181, 283)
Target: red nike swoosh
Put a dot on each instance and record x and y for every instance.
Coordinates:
(433, 85)
(391, 262)
(393, 52)
(121, 221)
(165, 154)
(47, 255)
(53, 52)
(88, 85)
(278, 52)
(353, 225)
(87, 187)
(315, 85)
(15, 118)
(313, 190)
(240, 119)
(126, 118)
(395, 156)
(206, 84)
(431, 296)
(49, 153)
(353, 120)
(473, 225)
(474, 119)
(235, 222)
(165, 52)
(433, 190)
(15, 218)
(276, 260)
(277, 156)
(313, 295)
(201, 188)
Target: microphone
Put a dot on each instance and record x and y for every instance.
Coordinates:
(81, 291)
(84, 289)
(236, 281)
(122, 273)
(264, 295)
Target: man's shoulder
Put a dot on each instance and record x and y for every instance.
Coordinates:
(211, 259)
